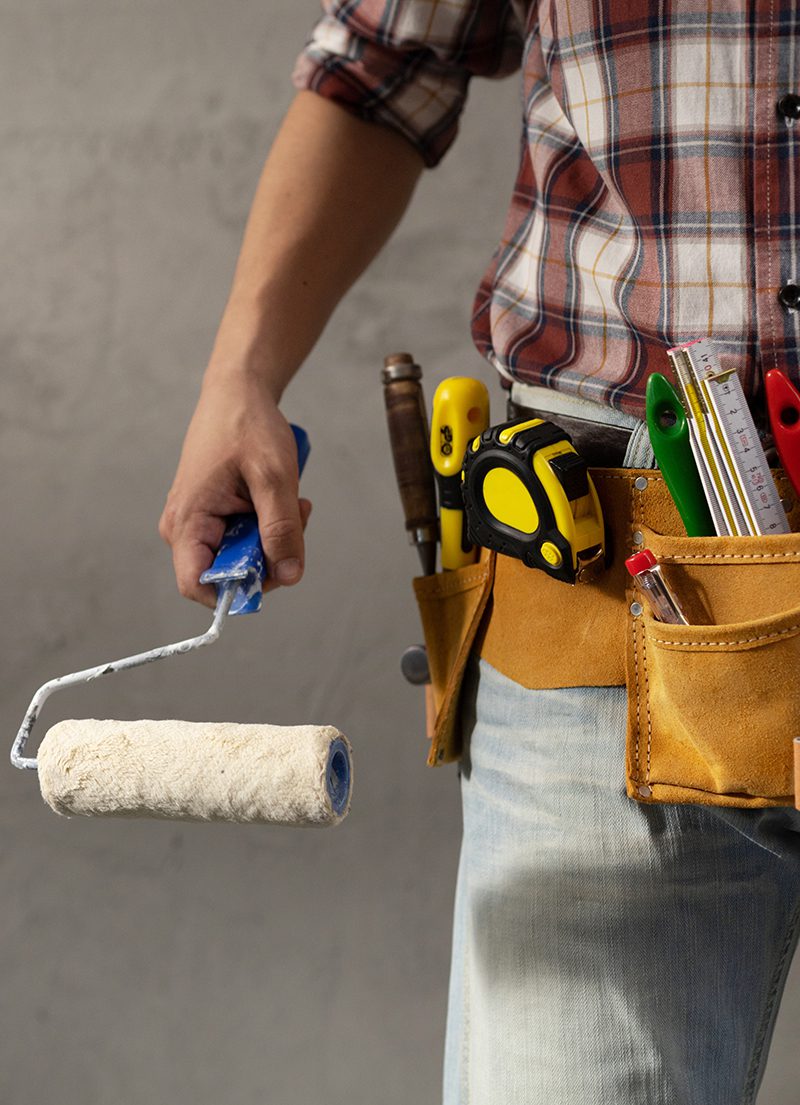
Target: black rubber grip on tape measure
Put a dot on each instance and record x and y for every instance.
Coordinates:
(517, 456)
(546, 433)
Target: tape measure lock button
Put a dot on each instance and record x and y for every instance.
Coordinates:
(570, 470)
(551, 554)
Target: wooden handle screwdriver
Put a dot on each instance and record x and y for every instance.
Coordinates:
(410, 441)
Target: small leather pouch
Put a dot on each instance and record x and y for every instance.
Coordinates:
(713, 707)
(451, 605)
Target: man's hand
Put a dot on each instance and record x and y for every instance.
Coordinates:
(239, 455)
(332, 190)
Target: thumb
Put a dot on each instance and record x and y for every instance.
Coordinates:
(281, 528)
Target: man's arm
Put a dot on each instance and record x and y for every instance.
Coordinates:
(332, 190)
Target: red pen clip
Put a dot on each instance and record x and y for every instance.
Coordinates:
(783, 404)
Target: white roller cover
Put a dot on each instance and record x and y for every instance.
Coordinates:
(197, 771)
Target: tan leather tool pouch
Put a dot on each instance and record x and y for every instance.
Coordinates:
(712, 708)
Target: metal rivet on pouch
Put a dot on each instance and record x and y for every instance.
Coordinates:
(638, 538)
(640, 483)
(644, 790)
(636, 609)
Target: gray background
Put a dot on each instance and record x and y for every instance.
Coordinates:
(145, 963)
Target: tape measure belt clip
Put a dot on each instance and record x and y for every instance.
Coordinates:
(527, 493)
(450, 492)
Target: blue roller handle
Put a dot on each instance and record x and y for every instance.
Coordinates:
(240, 557)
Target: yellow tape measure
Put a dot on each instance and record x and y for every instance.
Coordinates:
(527, 493)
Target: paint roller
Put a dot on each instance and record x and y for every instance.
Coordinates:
(194, 771)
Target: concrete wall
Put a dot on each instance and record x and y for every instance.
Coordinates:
(146, 963)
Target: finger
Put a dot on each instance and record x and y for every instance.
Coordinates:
(193, 549)
(175, 515)
(305, 513)
(281, 528)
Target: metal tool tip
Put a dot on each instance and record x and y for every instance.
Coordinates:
(400, 366)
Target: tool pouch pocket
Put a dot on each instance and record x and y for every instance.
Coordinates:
(451, 606)
(713, 708)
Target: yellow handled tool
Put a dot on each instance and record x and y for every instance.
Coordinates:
(460, 411)
(528, 493)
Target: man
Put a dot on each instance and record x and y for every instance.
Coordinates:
(604, 951)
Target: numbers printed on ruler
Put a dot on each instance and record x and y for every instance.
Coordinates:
(758, 474)
(728, 444)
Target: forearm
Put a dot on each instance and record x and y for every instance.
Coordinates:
(332, 191)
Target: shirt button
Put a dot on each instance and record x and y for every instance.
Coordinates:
(789, 106)
(789, 296)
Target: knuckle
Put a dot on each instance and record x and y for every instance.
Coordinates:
(279, 529)
(264, 470)
(170, 517)
(269, 471)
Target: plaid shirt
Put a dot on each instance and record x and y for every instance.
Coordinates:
(656, 195)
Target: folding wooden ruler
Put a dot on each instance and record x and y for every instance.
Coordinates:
(733, 468)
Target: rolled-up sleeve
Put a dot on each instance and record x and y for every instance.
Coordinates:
(407, 63)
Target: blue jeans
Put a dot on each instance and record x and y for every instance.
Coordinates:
(606, 952)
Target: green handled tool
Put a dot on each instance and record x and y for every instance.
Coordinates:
(669, 436)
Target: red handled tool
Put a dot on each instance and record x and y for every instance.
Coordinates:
(783, 404)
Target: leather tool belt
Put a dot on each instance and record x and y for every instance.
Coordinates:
(712, 708)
